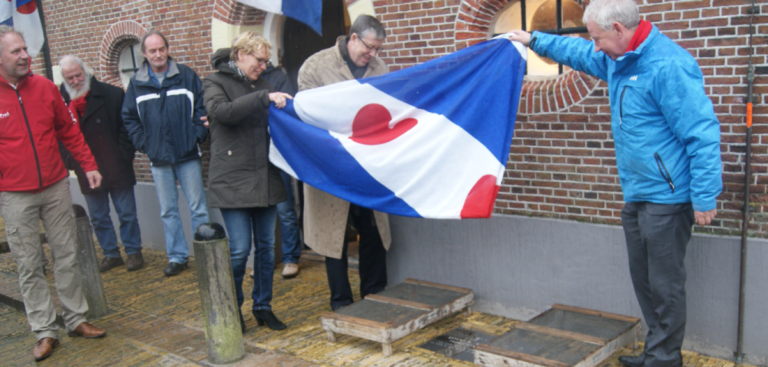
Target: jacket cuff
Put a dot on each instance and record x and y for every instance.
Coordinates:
(705, 206)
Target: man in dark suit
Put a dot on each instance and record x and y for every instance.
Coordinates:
(97, 106)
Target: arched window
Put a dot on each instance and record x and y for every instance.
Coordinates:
(129, 62)
(561, 17)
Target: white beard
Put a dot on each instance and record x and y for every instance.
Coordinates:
(75, 94)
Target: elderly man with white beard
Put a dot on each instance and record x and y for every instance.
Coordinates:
(97, 106)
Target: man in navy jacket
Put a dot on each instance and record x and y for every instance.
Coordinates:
(163, 111)
(667, 140)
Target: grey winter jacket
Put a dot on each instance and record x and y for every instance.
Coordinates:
(240, 174)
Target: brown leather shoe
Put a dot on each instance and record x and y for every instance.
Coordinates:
(109, 263)
(87, 330)
(44, 348)
(135, 261)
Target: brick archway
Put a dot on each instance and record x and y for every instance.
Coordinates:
(118, 36)
(556, 94)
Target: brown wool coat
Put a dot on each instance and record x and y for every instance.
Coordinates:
(325, 215)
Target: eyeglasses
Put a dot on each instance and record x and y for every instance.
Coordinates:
(261, 61)
(371, 48)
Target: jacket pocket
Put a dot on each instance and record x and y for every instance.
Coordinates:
(663, 171)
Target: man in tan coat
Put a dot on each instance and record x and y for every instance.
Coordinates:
(325, 215)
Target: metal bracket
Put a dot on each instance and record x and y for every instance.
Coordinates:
(753, 10)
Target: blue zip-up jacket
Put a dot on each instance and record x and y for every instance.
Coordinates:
(164, 121)
(666, 134)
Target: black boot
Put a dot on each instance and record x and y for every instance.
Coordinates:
(266, 316)
(632, 361)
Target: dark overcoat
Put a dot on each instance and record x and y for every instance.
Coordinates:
(106, 136)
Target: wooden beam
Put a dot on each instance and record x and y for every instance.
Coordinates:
(561, 333)
(606, 315)
(355, 320)
(438, 285)
(399, 302)
(520, 356)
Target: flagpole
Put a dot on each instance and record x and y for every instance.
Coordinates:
(46, 49)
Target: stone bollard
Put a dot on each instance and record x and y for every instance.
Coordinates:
(221, 316)
(93, 288)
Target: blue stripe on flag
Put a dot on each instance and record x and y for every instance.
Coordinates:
(309, 12)
(8, 22)
(471, 87)
(318, 157)
(20, 3)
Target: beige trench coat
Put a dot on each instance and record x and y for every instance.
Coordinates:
(325, 215)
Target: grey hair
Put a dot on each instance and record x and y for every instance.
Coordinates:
(366, 24)
(4, 29)
(605, 12)
(72, 59)
(152, 33)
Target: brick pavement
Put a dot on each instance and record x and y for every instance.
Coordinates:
(156, 321)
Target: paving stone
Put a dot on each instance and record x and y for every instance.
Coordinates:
(157, 321)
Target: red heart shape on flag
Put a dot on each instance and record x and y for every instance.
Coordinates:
(371, 125)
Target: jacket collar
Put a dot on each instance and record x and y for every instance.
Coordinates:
(630, 57)
(142, 75)
(21, 80)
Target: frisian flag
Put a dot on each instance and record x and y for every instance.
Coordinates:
(428, 141)
(309, 12)
(23, 16)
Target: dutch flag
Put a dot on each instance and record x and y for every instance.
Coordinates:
(428, 141)
(309, 12)
(24, 17)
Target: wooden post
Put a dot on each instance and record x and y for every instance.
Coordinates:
(221, 316)
(93, 288)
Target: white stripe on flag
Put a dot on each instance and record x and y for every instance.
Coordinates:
(279, 161)
(434, 151)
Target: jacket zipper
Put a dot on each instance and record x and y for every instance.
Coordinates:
(31, 138)
(667, 177)
(621, 105)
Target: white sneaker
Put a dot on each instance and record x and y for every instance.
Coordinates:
(290, 270)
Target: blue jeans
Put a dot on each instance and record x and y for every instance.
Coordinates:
(289, 225)
(125, 206)
(190, 176)
(245, 226)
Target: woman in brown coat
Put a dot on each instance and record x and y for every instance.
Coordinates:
(241, 180)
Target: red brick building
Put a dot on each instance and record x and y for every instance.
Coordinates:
(562, 161)
(561, 164)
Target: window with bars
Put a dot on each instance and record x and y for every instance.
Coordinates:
(129, 62)
(561, 17)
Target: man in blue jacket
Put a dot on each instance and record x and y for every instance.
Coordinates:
(667, 142)
(163, 112)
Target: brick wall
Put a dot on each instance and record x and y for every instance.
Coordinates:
(562, 162)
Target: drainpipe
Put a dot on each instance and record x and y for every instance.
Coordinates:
(747, 182)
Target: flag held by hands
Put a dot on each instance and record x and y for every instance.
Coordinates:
(428, 141)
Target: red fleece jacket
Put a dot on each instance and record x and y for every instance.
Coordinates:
(32, 117)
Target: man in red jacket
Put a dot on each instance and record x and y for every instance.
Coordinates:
(34, 186)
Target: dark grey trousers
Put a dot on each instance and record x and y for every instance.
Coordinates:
(657, 236)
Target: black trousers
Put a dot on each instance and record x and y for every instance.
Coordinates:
(373, 261)
(657, 236)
